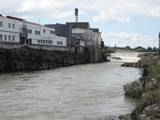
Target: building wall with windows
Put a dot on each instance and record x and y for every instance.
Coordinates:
(40, 35)
(9, 30)
(60, 41)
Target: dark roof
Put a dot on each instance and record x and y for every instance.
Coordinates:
(84, 25)
(95, 29)
(15, 18)
(49, 25)
(54, 25)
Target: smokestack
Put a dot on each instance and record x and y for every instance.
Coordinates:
(76, 14)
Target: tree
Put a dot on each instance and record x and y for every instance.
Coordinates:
(128, 47)
(154, 49)
(149, 49)
(140, 49)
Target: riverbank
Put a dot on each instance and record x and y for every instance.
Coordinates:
(29, 59)
(147, 89)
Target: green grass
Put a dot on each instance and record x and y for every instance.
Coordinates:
(149, 103)
(156, 71)
(148, 106)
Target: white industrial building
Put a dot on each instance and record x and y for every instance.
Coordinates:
(9, 30)
(17, 30)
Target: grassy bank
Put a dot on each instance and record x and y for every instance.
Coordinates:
(147, 89)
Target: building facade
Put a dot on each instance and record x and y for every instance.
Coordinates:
(93, 41)
(17, 30)
(9, 30)
(65, 30)
(80, 36)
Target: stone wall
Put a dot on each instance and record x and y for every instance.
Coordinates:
(27, 59)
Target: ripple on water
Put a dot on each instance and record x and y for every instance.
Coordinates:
(85, 92)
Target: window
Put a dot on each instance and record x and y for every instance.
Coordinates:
(59, 43)
(30, 31)
(50, 42)
(1, 37)
(38, 41)
(44, 31)
(9, 25)
(52, 32)
(1, 24)
(9, 38)
(37, 32)
(13, 26)
(5, 37)
(13, 38)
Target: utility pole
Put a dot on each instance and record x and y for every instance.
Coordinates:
(159, 44)
(159, 40)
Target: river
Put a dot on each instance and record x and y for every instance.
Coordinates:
(83, 92)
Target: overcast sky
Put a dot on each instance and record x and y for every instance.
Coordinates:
(122, 22)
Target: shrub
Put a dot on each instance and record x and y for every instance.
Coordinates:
(149, 98)
(156, 71)
(134, 89)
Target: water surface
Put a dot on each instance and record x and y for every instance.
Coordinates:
(84, 92)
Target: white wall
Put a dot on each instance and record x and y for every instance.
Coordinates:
(13, 31)
(46, 37)
(88, 34)
(60, 41)
(97, 39)
(78, 31)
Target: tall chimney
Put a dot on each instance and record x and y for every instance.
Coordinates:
(76, 14)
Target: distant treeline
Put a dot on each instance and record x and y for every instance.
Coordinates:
(109, 50)
(142, 49)
(138, 49)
